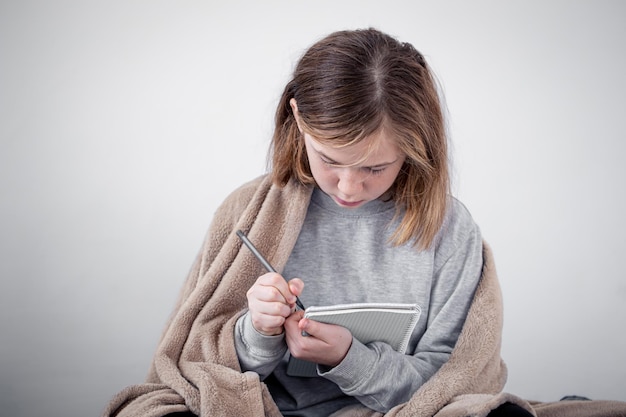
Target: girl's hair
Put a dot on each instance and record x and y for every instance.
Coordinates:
(348, 86)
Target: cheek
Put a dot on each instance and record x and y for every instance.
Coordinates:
(322, 174)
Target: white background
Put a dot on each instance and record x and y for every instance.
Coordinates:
(124, 124)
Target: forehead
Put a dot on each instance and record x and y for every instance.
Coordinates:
(377, 149)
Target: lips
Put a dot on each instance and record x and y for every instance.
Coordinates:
(350, 204)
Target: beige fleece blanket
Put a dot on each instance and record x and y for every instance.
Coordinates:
(195, 366)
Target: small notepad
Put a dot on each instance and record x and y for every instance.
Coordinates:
(368, 322)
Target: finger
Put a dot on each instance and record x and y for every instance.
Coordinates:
(327, 344)
(292, 325)
(327, 333)
(305, 325)
(294, 318)
(268, 324)
(272, 308)
(276, 288)
(296, 285)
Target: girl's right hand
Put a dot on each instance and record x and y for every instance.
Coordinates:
(271, 300)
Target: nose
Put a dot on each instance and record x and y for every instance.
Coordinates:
(350, 182)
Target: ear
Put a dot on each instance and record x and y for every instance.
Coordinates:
(296, 114)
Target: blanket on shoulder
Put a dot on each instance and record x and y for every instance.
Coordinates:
(195, 367)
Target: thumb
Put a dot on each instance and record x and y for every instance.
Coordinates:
(296, 286)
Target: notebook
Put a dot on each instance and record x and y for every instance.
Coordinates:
(368, 322)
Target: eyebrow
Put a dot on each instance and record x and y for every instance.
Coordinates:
(331, 161)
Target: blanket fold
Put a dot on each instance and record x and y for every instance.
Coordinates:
(195, 366)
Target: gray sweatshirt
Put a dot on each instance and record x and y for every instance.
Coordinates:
(344, 256)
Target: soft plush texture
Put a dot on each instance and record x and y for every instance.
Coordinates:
(195, 366)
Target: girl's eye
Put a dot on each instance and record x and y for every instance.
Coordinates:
(372, 171)
(375, 171)
(327, 162)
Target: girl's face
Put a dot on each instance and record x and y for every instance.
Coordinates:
(355, 174)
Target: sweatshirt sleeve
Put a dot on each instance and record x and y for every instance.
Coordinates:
(382, 378)
(257, 352)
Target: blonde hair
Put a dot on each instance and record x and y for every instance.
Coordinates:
(347, 86)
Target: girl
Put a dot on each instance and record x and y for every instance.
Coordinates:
(361, 124)
(355, 208)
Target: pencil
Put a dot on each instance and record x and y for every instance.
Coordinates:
(262, 259)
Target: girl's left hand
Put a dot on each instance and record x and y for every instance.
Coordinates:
(326, 344)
